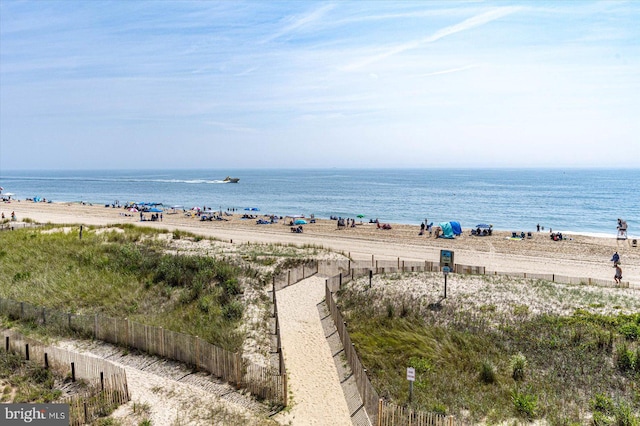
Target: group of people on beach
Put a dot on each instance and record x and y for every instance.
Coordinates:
(616, 264)
(13, 216)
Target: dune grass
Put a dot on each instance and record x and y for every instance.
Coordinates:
(490, 366)
(125, 272)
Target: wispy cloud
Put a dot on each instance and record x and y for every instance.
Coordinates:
(449, 71)
(467, 24)
(300, 22)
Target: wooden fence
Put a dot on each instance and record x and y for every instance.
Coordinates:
(384, 413)
(394, 415)
(294, 275)
(362, 267)
(261, 381)
(105, 385)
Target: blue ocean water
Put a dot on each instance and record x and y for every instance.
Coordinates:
(574, 200)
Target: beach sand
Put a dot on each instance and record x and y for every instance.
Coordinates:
(304, 345)
(576, 256)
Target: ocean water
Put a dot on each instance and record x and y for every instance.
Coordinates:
(574, 200)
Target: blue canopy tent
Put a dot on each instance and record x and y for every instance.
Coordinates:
(457, 229)
(447, 230)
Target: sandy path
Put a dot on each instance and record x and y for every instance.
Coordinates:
(317, 397)
(169, 393)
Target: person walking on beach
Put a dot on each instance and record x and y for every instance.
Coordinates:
(615, 259)
(618, 276)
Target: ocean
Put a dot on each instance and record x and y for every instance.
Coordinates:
(573, 200)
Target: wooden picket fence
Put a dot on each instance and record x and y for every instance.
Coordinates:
(104, 384)
(262, 381)
(340, 272)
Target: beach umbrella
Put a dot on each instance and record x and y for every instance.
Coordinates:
(300, 222)
(133, 209)
(155, 210)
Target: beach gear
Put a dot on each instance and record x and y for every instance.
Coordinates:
(456, 228)
(447, 230)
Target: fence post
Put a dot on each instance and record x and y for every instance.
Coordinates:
(238, 370)
(86, 415)
(46, 360)
(101, 380)
(95, 326)
(197, 352)
(284, 389)
(73, 372)
(126, 332)
(6, 343)
(340, 282)
(372, 263)
(26, 351)
(398, 263)
(289, 277)
(380, 412)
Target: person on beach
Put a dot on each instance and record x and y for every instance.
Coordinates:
(615, 259)
(618, 276)
(538, 226)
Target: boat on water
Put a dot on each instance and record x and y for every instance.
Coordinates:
(229, 179)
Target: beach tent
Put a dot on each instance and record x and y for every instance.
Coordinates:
(154, 210)
(290, 218)
(456, 228)
(447, 231)
(300, 222)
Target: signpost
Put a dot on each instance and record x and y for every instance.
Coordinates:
(446, 262)
(411, 377)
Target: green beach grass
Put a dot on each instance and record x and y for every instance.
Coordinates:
(492, 365)
(126, 272)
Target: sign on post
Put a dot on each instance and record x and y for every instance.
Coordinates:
(446, 259)
(411, 377)
(411, 374)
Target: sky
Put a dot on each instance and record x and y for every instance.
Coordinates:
(304, 84)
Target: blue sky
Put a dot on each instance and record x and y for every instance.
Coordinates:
(231, 84)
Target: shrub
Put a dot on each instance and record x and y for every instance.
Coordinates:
(232, 311)
(603, 404)
(487, 372)
(525, 404)
(630, 331)
(518, 365)
(624, 358)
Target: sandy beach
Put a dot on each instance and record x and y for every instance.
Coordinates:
(576, 255)
(305, 347)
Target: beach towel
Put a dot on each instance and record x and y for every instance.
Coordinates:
(447, 231)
